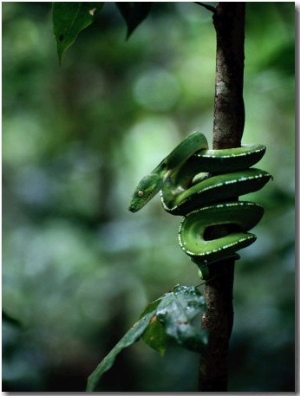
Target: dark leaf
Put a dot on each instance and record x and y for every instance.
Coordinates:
(69, 19)
(134, 13)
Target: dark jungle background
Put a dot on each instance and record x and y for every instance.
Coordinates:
(78, 267)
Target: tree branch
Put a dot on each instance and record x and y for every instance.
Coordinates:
(229, 114)
(229, 22)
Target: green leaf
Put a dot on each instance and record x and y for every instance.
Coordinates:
(69, 19)
(134, 13)
(151, 307)
(176, 312)
(173, 318)
(170, 316)
(155, 336)
(132, 335)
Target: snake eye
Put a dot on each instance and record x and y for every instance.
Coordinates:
(140, 193)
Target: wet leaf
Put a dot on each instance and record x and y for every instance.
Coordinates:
(170, 316)
(176, 313)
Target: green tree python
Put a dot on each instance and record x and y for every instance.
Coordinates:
(203, 186)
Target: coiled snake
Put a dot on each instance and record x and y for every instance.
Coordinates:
(203, 186)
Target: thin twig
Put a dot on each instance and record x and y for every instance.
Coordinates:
(207, 6)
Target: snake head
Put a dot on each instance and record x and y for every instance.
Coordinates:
(147, 188)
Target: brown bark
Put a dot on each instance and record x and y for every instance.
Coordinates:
(229, 114)
(229, 22)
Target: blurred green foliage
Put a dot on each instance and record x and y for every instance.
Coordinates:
(78, 268)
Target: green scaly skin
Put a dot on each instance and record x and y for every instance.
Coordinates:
(151, 184)
(194, 182)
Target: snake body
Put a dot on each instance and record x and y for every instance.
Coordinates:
(203, 186)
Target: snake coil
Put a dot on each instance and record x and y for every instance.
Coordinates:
(203, 186)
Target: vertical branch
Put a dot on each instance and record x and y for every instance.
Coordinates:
(229, 116)
(229, 113)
